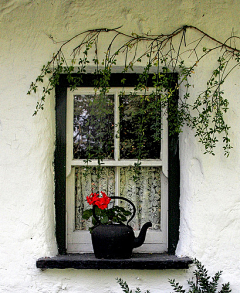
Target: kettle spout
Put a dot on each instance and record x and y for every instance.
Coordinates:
(142, 235)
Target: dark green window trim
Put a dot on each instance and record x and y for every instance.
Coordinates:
(60, 161)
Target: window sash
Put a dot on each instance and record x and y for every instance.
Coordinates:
(79, 241)
(70, 162)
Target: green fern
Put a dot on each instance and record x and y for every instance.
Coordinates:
(203, 283)
(125, 287)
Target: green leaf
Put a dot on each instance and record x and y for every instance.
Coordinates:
(87, 214)
(104, 219)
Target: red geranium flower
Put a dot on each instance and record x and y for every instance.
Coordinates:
(101, 202)
(92, 198)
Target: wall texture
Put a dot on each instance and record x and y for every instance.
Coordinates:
(210, 197)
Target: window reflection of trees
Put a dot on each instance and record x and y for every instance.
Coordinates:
(93, 129)
(138, 137)
(93, 126)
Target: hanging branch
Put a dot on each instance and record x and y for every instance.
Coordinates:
(165, 53)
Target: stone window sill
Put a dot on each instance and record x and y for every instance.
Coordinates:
(144, 261)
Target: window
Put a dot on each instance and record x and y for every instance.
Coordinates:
(117, 171)
(117, 138)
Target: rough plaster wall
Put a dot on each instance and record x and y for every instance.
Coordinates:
(210, 200)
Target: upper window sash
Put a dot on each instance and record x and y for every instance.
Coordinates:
(71, 162)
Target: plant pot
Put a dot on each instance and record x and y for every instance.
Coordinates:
(112, 241)
(116, 240)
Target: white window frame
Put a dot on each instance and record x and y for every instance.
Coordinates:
(80, 241)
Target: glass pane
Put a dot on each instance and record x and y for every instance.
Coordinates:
(85, 184)
(93, 127)
(145, 193)
(140, 127)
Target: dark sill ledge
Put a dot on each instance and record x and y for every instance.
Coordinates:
(144, 261)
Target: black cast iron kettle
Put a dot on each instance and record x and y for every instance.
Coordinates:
(116, 240)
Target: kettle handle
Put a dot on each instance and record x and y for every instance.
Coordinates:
(117, 197)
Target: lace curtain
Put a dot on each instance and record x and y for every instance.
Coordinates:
(144, 192)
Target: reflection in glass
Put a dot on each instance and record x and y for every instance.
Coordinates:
(93, 127)
(140, 127)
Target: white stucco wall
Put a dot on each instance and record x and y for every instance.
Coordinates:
(210, 186)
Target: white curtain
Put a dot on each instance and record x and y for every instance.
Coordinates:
(144, 192)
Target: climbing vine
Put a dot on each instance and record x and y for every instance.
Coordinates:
(159, 57)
